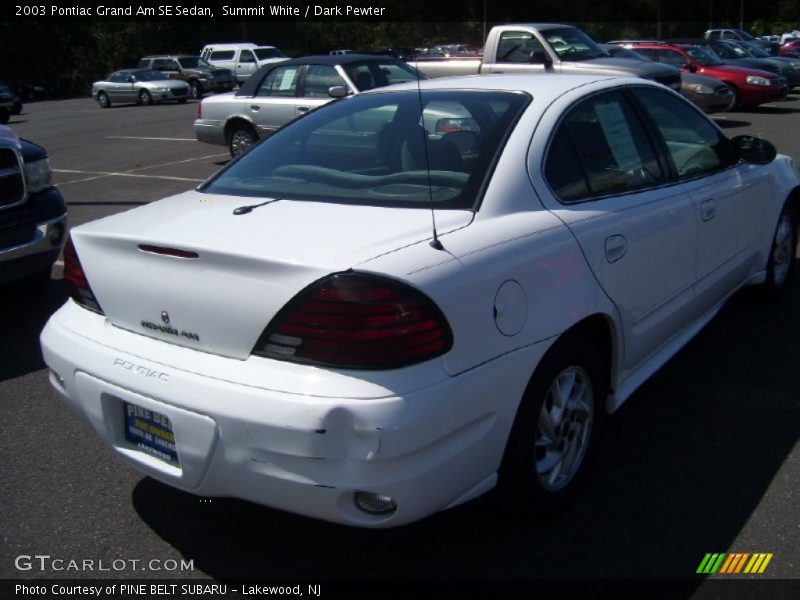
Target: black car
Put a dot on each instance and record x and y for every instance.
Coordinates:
(33, 214)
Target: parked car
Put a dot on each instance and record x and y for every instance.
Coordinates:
(140, 86)
(733, 54)
(740, 34)
(33, 215)
(242, 59)
(790, 49)
(544, 48)
(709, 94)
(16, 101)
(279, 93)
(393, 322)
(789, 67)
(750, 87)
(6, 105)
(201, 76)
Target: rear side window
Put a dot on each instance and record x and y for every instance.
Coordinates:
(281, 81)
(694, 144)
(221, 55)
(600, 148)
(143, 64)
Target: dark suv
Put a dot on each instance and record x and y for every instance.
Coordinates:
(33, 215)
(201, 75)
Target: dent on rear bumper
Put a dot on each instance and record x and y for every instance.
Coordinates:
(428, 447)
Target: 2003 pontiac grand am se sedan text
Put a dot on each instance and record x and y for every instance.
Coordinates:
(294, 333)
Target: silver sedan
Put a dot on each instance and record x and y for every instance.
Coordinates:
(140, 86)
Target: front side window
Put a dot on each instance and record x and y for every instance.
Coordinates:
(694, 144)
(319, 79)
(165, 64)
(247, 57)
(120, 77)
(517, 47)
(600, 148)
(222, 55)
(402, 149)
(705, 57)
(372, 74)
(267, 53)
(193, 62)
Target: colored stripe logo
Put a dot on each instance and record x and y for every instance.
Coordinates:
(733, 563)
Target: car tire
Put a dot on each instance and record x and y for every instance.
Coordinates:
(102, 98)
(735, 102)
(145, 99)
(555, 430)
(195, 90)
(240, 138)
(781, 262)
(4, 116)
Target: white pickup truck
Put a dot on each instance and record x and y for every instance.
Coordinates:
(545, 47)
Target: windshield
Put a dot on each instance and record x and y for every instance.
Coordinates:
(374, 74)
(572, 44)
(744, 35)
(149, 75)
(382, 150)
(194, 62)
(265, 53)
(733, 51)
(754, 50)
(704, 56)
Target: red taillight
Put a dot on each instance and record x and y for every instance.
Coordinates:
(357, 321)
(79, 288)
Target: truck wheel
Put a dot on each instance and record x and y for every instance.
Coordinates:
(240, 138)
(196, 90)
(102, 98)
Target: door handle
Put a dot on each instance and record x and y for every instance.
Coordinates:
(616, 247)
(255, 107)
(302, 109)
(708, 210)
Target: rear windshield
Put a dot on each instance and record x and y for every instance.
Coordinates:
(265, 53)
(382, 150)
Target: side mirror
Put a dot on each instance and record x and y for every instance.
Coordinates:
(337, 91)
(131, 79)
(754, 150)
(540, 57)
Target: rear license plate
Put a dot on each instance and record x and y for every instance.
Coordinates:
(151, 432)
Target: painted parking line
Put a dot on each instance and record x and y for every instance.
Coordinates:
(102, 174)
(157, 139)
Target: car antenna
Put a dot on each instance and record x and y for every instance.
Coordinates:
(243, 210)
(434, 243)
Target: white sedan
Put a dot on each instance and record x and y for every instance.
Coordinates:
(416, 294)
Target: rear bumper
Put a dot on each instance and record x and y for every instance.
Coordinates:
(210, 131)
(428, 447)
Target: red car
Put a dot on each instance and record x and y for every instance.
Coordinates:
(750, 87)
(790, 49)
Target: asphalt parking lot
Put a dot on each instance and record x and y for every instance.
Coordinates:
(703, 458)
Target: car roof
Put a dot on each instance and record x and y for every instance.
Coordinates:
(171, 56)
(544, 87)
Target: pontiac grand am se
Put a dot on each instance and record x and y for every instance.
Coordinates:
(412, 295)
